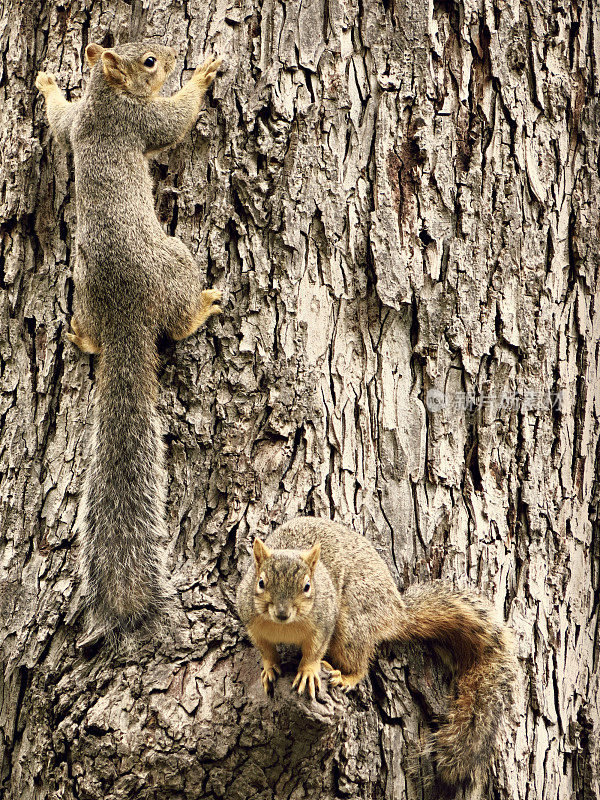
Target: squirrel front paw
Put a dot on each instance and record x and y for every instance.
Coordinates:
(268, 675)
(206, 74)
(45, 82)
(309, 674)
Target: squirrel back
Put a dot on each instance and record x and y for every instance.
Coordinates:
(357, 608)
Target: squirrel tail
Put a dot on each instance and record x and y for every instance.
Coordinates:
(485, 669)
(122, 529)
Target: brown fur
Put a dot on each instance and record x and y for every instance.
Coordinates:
(353, 606)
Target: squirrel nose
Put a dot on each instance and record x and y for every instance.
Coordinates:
(282, 613)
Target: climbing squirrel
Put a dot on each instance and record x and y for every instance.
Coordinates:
(132, 282)
(318, 585)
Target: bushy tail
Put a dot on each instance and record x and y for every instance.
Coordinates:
(121, 520)
(485, 668)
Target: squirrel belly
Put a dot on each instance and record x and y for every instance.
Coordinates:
(321, 586)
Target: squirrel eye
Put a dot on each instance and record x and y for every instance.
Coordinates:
(307, 587)
(261, 584)
(150, 62)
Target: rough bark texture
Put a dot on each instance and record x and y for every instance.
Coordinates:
(400, 202)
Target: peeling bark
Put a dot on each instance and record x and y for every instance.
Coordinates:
(400, 202)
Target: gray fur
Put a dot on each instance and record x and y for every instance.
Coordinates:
(132, 281)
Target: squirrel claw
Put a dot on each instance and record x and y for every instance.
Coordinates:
(335, 677)
(209, 301)
(269, 675)
(209, 305)
(44, 81)
(308, 675)
(345, 682)
(207, 72)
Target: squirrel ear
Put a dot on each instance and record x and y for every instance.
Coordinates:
(312, 556)
(112, 65)
(93, 53)
(261, 551)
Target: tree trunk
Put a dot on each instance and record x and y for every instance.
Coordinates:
(400, 203)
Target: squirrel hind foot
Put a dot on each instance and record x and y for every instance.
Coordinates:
(345, 682)
(83, 343)
(337, 678)
(80, 338)
(209, 304)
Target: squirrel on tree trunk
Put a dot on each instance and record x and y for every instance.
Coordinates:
(132, 282)
(319, 585)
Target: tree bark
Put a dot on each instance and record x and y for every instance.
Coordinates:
(400, 202)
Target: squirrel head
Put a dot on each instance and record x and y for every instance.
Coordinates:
(284, 581)
(140, 69)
